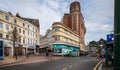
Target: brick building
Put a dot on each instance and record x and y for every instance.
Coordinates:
(75, 21)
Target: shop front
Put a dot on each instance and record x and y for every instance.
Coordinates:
(7, 51)
(63, 49)
(31, 50)
(8, 48)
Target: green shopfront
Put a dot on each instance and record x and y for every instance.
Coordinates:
(63, 49)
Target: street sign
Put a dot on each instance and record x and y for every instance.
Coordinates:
(110, 38)
(1, 50)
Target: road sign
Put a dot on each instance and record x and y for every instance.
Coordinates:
(110, 38)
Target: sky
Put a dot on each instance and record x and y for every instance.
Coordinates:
(98, 14)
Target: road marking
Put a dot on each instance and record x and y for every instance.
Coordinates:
(95, 68)
(75, 63)
(64, 69)
(80, 62)
(71, 66)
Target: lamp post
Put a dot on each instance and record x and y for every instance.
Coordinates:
(117, 35)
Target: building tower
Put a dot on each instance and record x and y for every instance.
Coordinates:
(75, 20)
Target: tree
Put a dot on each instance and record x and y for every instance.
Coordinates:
(14, 38)
(102, 43)
(92, 44)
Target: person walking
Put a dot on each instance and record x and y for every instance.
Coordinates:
(47, 54)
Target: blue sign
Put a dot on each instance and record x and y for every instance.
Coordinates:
(1, 50)
(110, 37)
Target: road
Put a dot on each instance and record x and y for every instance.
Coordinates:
(71, 63)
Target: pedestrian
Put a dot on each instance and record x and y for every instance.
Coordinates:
(47, 54)
(16, 55)
(27, 55)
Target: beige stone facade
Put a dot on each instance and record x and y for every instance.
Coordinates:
(64, 35)
(28, 32)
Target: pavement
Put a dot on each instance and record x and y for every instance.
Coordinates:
(102, 66)
(9, 60)
(65, 63)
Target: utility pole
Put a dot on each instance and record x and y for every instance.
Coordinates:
(117, 35)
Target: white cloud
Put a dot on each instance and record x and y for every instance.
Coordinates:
(99, 18)
(98, 14)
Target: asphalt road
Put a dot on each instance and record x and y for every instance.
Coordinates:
(71, 63)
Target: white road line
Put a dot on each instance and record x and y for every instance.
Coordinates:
(71, 66)
(75, 63)
(80, 62)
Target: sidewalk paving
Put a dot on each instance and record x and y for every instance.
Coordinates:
(24, 60)
(10, 60)
(103, 66)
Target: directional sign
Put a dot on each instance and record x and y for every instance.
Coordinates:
(110, 37)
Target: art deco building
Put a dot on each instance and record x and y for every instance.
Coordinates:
(28, 31)
(66, 40)
(75, 21)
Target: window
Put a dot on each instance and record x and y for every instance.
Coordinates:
(28, 40)
(1, 35)
(28, 33)
(6, 17)
(65, 31)
(7, 27)
(19, 39)
(19, 30)
(57, 29)
(23, 24)
(23, 31)
(82, 25)
(66, 39)
(77, 22)
(70, 41)
(36, 30)
(1, 25)
(15, 21)
(77, 8)
(72, 21)
(7, 36)
(28, 26)
(36, 41)
(57, 38)
(23, 40)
